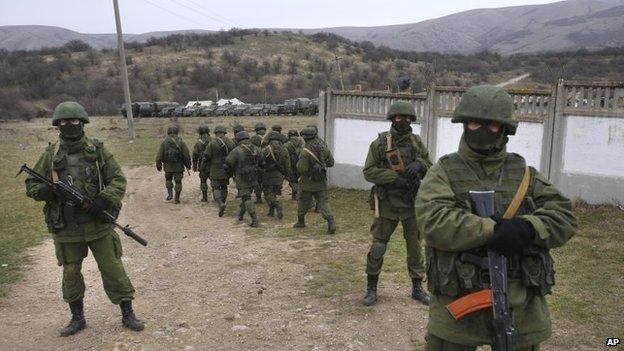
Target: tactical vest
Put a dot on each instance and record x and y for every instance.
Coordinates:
(409, 151)
(273, 151)
(247, 167)
(447, 275)
(83, 171)
(172, 151)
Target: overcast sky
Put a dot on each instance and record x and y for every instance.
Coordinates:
(140, 16)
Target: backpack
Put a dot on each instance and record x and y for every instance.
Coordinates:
(173, 153)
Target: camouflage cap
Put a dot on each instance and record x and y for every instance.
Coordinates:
(237, 128)
(69, 110)
(277, 128)
(203, 130)
(242, 135)
(274, 135)
(259, 126)
(309, 133)
(293, 133)
(220, 130)
(401, 108)
(173, 130)
(489, 104)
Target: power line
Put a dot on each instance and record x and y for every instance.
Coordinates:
(200, 12)
(175, 14)
(213, 12)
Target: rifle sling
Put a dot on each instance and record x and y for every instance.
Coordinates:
(516, 201)
(312, 154)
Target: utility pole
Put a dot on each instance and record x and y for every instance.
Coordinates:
(124, 72)
(339, 71)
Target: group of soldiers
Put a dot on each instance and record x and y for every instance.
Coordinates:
(259, 164)
(431, 201)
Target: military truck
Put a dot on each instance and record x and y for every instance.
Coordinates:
(221, 110)
(178, 111)
(240, 110)
(313, 107)
(208, 110)
(192, 111)
(277, 109)
(160, 105)
(167, 111)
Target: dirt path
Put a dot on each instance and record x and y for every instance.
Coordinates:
(203, 283)
(513, 80)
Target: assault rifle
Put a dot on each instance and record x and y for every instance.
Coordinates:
(74, 198)
(496, 296)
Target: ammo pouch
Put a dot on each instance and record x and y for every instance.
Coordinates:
(448, 275)
(54, 216)
(318, 173)
(537, 270)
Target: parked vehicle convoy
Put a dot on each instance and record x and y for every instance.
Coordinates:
(208, 110)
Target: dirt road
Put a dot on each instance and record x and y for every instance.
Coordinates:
(203, 283)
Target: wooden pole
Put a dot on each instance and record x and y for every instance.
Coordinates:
(124, 72)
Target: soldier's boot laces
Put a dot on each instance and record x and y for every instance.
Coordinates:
(418, 293)
(271, 211)
(331, 225)
(371, 290)
(254, 221)
(241, 214)
(169, 194)
(221, 208)
(128, 319)
(280, 211)
(204, 196)
(300, 222)
(77, 322)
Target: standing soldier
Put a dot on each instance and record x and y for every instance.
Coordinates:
(314, 160)
(243, 162)
(278, 128)
(276, 166)
(237, 127)
(198, 164)
(257, 139)
(214, 160)
(294, 146)
(91, 168)
(175, 156)
(396, 162)
(537, 218)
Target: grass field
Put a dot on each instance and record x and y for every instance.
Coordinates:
(587, 298)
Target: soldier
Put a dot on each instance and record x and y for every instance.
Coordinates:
(276, 166)
(237, 127)
(396, 162)
(90, 167)
(312, 168)
(278, 128)
(293, 145)
(214, 159)
(198, 164)
(257, 139)
(543, 220)
(243, 162)
(174, 154)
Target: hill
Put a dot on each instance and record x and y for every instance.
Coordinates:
(564, 25)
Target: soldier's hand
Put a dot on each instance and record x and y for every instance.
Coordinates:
(413, 169)
(400, 182)
(46, 193)
(98, 205)
(511, 236)
(159, 166)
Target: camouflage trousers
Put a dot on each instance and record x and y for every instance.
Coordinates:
(294, 187)
(381, 230)
(171, 177)
(305, 202)
(203, 181)
(246, 204)
(219, 189)
(271, 193)
(436, 344)
(107, 252)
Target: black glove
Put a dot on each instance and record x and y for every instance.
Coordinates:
(159, 166)
(46, 193)
(413, 169)
(511, 236)
(400, 182)
(98, 205)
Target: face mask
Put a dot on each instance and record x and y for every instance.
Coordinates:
(402, 126)
(484, 141)
(71, 131)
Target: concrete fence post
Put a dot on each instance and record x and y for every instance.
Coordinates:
(429, 126)
(558, 134)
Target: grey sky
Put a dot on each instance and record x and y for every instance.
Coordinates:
(140, 16)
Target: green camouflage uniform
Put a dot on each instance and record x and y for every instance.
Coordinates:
(214, 158)
(244, 162)
(83, 163)
(394, 204)
(294, 145)
(310, 188)
(199, 164)
(450, 228)
(276, 167)
(173, 165)
(257, 139)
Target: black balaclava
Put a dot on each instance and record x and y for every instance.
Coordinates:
(402, 126)
(72, 131)
(482, 140)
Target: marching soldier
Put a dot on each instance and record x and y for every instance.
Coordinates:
(243, 162)
(293, 145)
(396, 162)
(214, 160)
(260, 129)
(174, 155)
(197, 160)
(276, 167)
(90, 167)
(537, 218)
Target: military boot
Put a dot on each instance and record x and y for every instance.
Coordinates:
(77, 322)
(128, 319)
(177, 197)
(418, 293)
(279, 210)
(241, 214)
(316, 208)
(271, 211)
(331, 225)
(258, 198)
(204, 196)
(221, 208)
(300, 222)
(169, 194)
(371, 290)
(254, 221)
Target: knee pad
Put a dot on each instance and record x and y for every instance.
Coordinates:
(378, 249)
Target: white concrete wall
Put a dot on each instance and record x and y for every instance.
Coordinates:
(527, 141)
(594, 145)
(352, 138)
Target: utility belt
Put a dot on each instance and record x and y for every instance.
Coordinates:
(448, 274)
